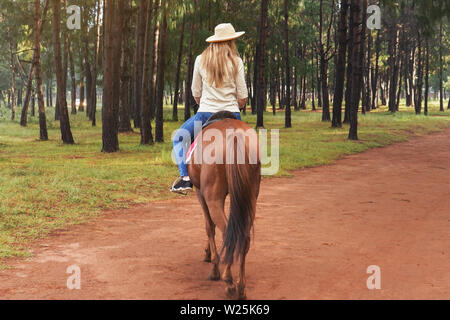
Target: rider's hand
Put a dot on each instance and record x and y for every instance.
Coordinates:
(241, 103)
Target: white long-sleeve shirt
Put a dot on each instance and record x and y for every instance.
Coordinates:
(218, 99)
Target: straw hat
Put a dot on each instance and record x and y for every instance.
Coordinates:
(224, 32)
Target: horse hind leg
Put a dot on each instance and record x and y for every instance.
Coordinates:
(218, 216)
(226, 276)
(240, 286)
(230, 289)
(207, 257)
(241, 283)
(237, 290)
(211, 250)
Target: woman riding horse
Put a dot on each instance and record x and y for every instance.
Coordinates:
(233, 167)
(218, 84)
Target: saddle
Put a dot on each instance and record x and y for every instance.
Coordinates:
(219, 116)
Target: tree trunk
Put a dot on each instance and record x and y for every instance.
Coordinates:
(441, 65)
(368, 95)
(37, 45)
(261, 97)
(287, 118)
(277, 85)
(324, 69)
(255, 81)
(125, 77)
(81, 86)
(57, 108)
(406, 68)
(29, 87)
(399, 91)
(356, 72)
(272, 81)
(283, 89)
(295, 89)
(177, 76)
(51, 92)
(303, 103)
(159, 133)
(249, 86)
(137, 67)
(392, 51)
(313, 99)
(188, 93)
(47, 95)
(425, 110)
(66, 133)
(319, 83)
(64, 35)
(73, 91)
(383, 89)
(361, 93)
(145, 19)
(153, 58)
(109, 125)
(419, 77)
(349, 73)
(410, 75)
(375, 78)
(340, 67)
(33, 103)
(87, 64)
(12, 66)
(96, 65)
(117, 59)
(19, 94)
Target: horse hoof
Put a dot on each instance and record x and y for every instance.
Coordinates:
(207, 255)
(242, 296)
(231, 291)
(214, 276)
(228, 279)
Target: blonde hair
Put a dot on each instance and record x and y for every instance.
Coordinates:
(215, 60)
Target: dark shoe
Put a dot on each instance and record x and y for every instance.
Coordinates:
(181, 186)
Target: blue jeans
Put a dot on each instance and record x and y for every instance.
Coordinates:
(182, 138)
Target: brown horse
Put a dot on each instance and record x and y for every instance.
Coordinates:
(233, 142)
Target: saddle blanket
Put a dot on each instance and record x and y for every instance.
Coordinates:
(191, 150)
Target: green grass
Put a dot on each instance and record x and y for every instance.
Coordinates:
(46, 186)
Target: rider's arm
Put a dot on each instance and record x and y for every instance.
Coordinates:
(197, 81)
(241, 87)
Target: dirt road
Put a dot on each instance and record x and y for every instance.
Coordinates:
(315, 236)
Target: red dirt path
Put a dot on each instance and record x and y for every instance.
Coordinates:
(315, 235)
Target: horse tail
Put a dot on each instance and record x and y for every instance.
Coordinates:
(240, 178)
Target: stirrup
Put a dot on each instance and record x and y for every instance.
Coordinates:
(183, 192)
